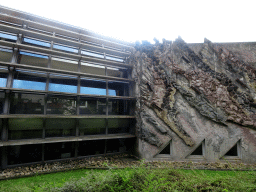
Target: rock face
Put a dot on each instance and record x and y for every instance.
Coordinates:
(189, 99)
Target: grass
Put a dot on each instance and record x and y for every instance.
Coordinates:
(135, 179)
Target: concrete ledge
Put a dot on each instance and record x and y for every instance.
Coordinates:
(65, 139)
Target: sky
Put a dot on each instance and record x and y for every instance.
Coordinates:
(136, 20)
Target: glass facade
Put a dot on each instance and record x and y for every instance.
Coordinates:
(59, 87)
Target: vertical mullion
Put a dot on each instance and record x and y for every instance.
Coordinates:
(6, 109)
(43, 152)
(106, 120)
(78, 100)
(4, 157)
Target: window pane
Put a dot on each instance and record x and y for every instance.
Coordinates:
(26, 104)
(5, 55)
(24, 154)
(92, 69)
(92, 106)
(120, 107)
(61, 105)
(91, 147)
(117, 72)
(93, 87)
(92, 126)
(25, 124)
(1, 126)
(64, 64)
(65, 48)
(60, 127)
(30, 41)
(25, 128)
(25, 134)
(118, 126)
(34, 59)
(2, 97)
(59, 150)
(29, 80)
(60, 123)
(92, 54)
(63, 84)
(115, 59)
(115, 145)
(3, 76)
(8, 36)
(116, 88)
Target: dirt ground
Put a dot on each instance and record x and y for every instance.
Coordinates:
(115, 162)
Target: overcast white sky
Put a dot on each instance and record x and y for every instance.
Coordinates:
(193, 20)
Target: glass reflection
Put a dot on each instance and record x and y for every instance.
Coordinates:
(92, 106)
(61, 105)
(63, 84)
(29, 80)
(36, 42)
(26, 103)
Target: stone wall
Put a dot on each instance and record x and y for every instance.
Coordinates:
(194, 102)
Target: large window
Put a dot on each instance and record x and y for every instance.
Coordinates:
(22, 103)
(29, 80)
(92, 54)
(117, 72)
(115, 146)
(115, 58)
(120, 107)
(3, 76)
(25, 128)
(37, 42)
(65, 48)
(92, 126)
(91, 147)
(1, 126)
(59, 150)
(116, 88)
(5, 54)
(61, 105)
(60, 127)
(64, 64)
(2, 97)
(31, 58)
(116, 126)
(24, 154)
(93, 87)
(91, 106)
(8, 36)
(61, 83)
(92, 68)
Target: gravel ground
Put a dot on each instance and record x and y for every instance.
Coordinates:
(116, 161)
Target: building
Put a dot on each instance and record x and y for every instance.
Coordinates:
(65, 92)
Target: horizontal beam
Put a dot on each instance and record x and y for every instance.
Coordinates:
(62, 29)
(51, 70)
(64, 54)
(29, 116)
(66, 93)
(64, 41)
(65, 139)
